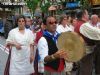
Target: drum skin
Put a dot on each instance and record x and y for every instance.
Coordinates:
(73, 44)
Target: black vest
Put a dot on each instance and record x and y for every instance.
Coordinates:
(52, 49)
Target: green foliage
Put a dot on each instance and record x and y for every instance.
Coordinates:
(32, 4)
(45, 7)
(85, 4)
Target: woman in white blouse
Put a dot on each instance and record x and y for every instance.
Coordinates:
(22, 55)
(64, 27)
(64, 24)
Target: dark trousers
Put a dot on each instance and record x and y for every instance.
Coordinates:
(36, 63)
(86, 65)
(97, 59)
(87, 62)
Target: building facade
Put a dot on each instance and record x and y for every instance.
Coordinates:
(9, 7)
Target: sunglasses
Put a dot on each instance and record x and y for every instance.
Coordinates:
(55, 22)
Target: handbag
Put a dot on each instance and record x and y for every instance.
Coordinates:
(7, 67)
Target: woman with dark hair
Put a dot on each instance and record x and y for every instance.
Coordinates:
(22, 55)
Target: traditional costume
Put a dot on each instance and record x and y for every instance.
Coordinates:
(47, 46)
(20, 59)
(93, 33)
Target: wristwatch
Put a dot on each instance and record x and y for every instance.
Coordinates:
(52, 56)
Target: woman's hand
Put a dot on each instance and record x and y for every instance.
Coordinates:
(18, 46)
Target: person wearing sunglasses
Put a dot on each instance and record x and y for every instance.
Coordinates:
(64, 24)
(22, 53)
(51, 57)
(65, 27)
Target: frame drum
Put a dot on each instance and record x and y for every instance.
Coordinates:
(73, 44)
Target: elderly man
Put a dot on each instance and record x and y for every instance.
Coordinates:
(95, 21)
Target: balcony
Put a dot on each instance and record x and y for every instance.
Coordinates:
(12, 3)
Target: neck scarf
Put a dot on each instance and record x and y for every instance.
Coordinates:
(50, 35)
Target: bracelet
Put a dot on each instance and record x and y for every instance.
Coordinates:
(52, 56)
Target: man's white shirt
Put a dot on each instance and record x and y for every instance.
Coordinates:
(89, 31)
(43, 48)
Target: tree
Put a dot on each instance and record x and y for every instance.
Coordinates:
(45, 7)
(85, 4)
(32, 4)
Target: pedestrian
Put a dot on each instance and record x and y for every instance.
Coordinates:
(64, 24)
(39, 34)
(94, 20)
(87, 31)
(8, 26)
(65, 27)
(22, 53)
(28, 23)
(48, 51)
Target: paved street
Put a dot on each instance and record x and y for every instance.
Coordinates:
(3, 55)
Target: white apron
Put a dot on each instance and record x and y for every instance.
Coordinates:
(20, 59)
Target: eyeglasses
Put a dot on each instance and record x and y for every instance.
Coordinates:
(21, 21)
(53, 22)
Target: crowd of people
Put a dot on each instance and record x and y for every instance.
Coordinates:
(34, 47)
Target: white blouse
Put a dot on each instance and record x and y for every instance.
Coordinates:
(20, 59)
(61, 29)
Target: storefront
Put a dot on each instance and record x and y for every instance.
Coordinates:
(8, 8)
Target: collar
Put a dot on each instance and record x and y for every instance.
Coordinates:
(50, 35)
(18, 29)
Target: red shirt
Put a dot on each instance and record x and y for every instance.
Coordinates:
(77, 26)
(38, 36)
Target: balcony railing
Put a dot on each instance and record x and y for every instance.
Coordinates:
(11, 1)
(14, 2)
